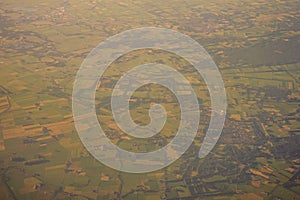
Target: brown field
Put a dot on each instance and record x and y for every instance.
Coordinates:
(58, 128)
(2, 147)
(4, 104)
(10, 131)
(20, 132)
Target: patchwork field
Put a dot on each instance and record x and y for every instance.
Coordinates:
(255, 45)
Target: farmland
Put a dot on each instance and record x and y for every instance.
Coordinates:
(255, 44)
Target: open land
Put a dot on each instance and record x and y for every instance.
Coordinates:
(256, 47)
